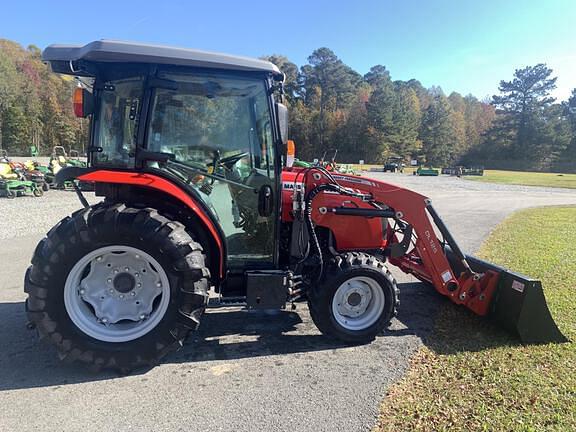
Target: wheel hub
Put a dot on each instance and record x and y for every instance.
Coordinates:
(124, 283)
(358, 303)
(354, 299)
(116, 293)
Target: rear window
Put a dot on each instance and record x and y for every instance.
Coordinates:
(117, 122)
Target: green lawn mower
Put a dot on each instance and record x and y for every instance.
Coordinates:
(13, 183)
(60, 159)
(14, 188)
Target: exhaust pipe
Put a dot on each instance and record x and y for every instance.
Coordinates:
(518, 304)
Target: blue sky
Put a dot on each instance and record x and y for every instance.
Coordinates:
(465, 46)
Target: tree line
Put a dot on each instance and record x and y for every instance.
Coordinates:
(372, 117)
(35, 104)
(333, 107)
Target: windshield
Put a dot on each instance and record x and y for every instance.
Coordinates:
(205, 114)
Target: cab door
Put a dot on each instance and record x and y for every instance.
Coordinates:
(222, 123)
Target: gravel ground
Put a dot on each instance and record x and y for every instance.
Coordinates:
(28, 215)
(242, 371)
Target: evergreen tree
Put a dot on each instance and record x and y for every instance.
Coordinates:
(290, 70)
(331, 84)
(570, 114)
(437, 132)
(523, 101)
(380, 112)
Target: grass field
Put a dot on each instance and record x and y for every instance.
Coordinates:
(527, 178)
(472, 375)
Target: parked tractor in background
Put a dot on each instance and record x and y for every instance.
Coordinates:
(394, 164)
(189, 152)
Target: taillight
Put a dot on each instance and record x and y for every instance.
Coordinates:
(290, 153)
(78, 101)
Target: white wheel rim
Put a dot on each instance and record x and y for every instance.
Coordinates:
(358, 303)
(116, 293)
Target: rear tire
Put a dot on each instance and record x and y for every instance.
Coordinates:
(355, 300)
(104, 227)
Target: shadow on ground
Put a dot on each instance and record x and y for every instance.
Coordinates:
(225, 334)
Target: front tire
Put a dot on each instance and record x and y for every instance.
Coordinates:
(355, 300)
(97, 286)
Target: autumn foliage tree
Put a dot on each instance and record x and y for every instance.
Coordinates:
(35, 107)
(332, 107)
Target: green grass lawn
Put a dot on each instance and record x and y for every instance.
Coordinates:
(527, 178)
(473, 376)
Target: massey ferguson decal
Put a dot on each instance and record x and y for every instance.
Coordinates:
(354, 180)
(292, 185)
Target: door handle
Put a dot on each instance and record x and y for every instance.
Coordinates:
(265, 201)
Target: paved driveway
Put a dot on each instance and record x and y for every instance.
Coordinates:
(242, 371)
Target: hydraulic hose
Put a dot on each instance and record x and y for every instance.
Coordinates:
(308, 214)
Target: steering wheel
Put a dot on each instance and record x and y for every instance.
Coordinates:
(229, 161)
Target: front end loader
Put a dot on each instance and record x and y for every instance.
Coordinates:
(200, 207)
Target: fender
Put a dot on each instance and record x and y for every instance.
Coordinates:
(163, 185)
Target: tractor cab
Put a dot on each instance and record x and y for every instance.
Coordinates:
(208, 121)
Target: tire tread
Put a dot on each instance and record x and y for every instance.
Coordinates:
(83, 228)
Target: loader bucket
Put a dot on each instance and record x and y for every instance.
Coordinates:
(519, 304)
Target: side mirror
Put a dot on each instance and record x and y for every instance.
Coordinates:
(282, 121)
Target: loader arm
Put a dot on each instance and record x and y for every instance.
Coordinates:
(517, 301)
(427, 260)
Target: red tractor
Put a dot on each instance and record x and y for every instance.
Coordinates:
(186, 149)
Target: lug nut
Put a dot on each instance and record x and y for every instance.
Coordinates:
(99, 259)
(126, 268)
(158, 284)
(139, 285)
(121, 296)
(111, 291)
(109, 281)
(136, 274)
(82, 291)
(137, 256)
(132, 293)
(116, 270)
